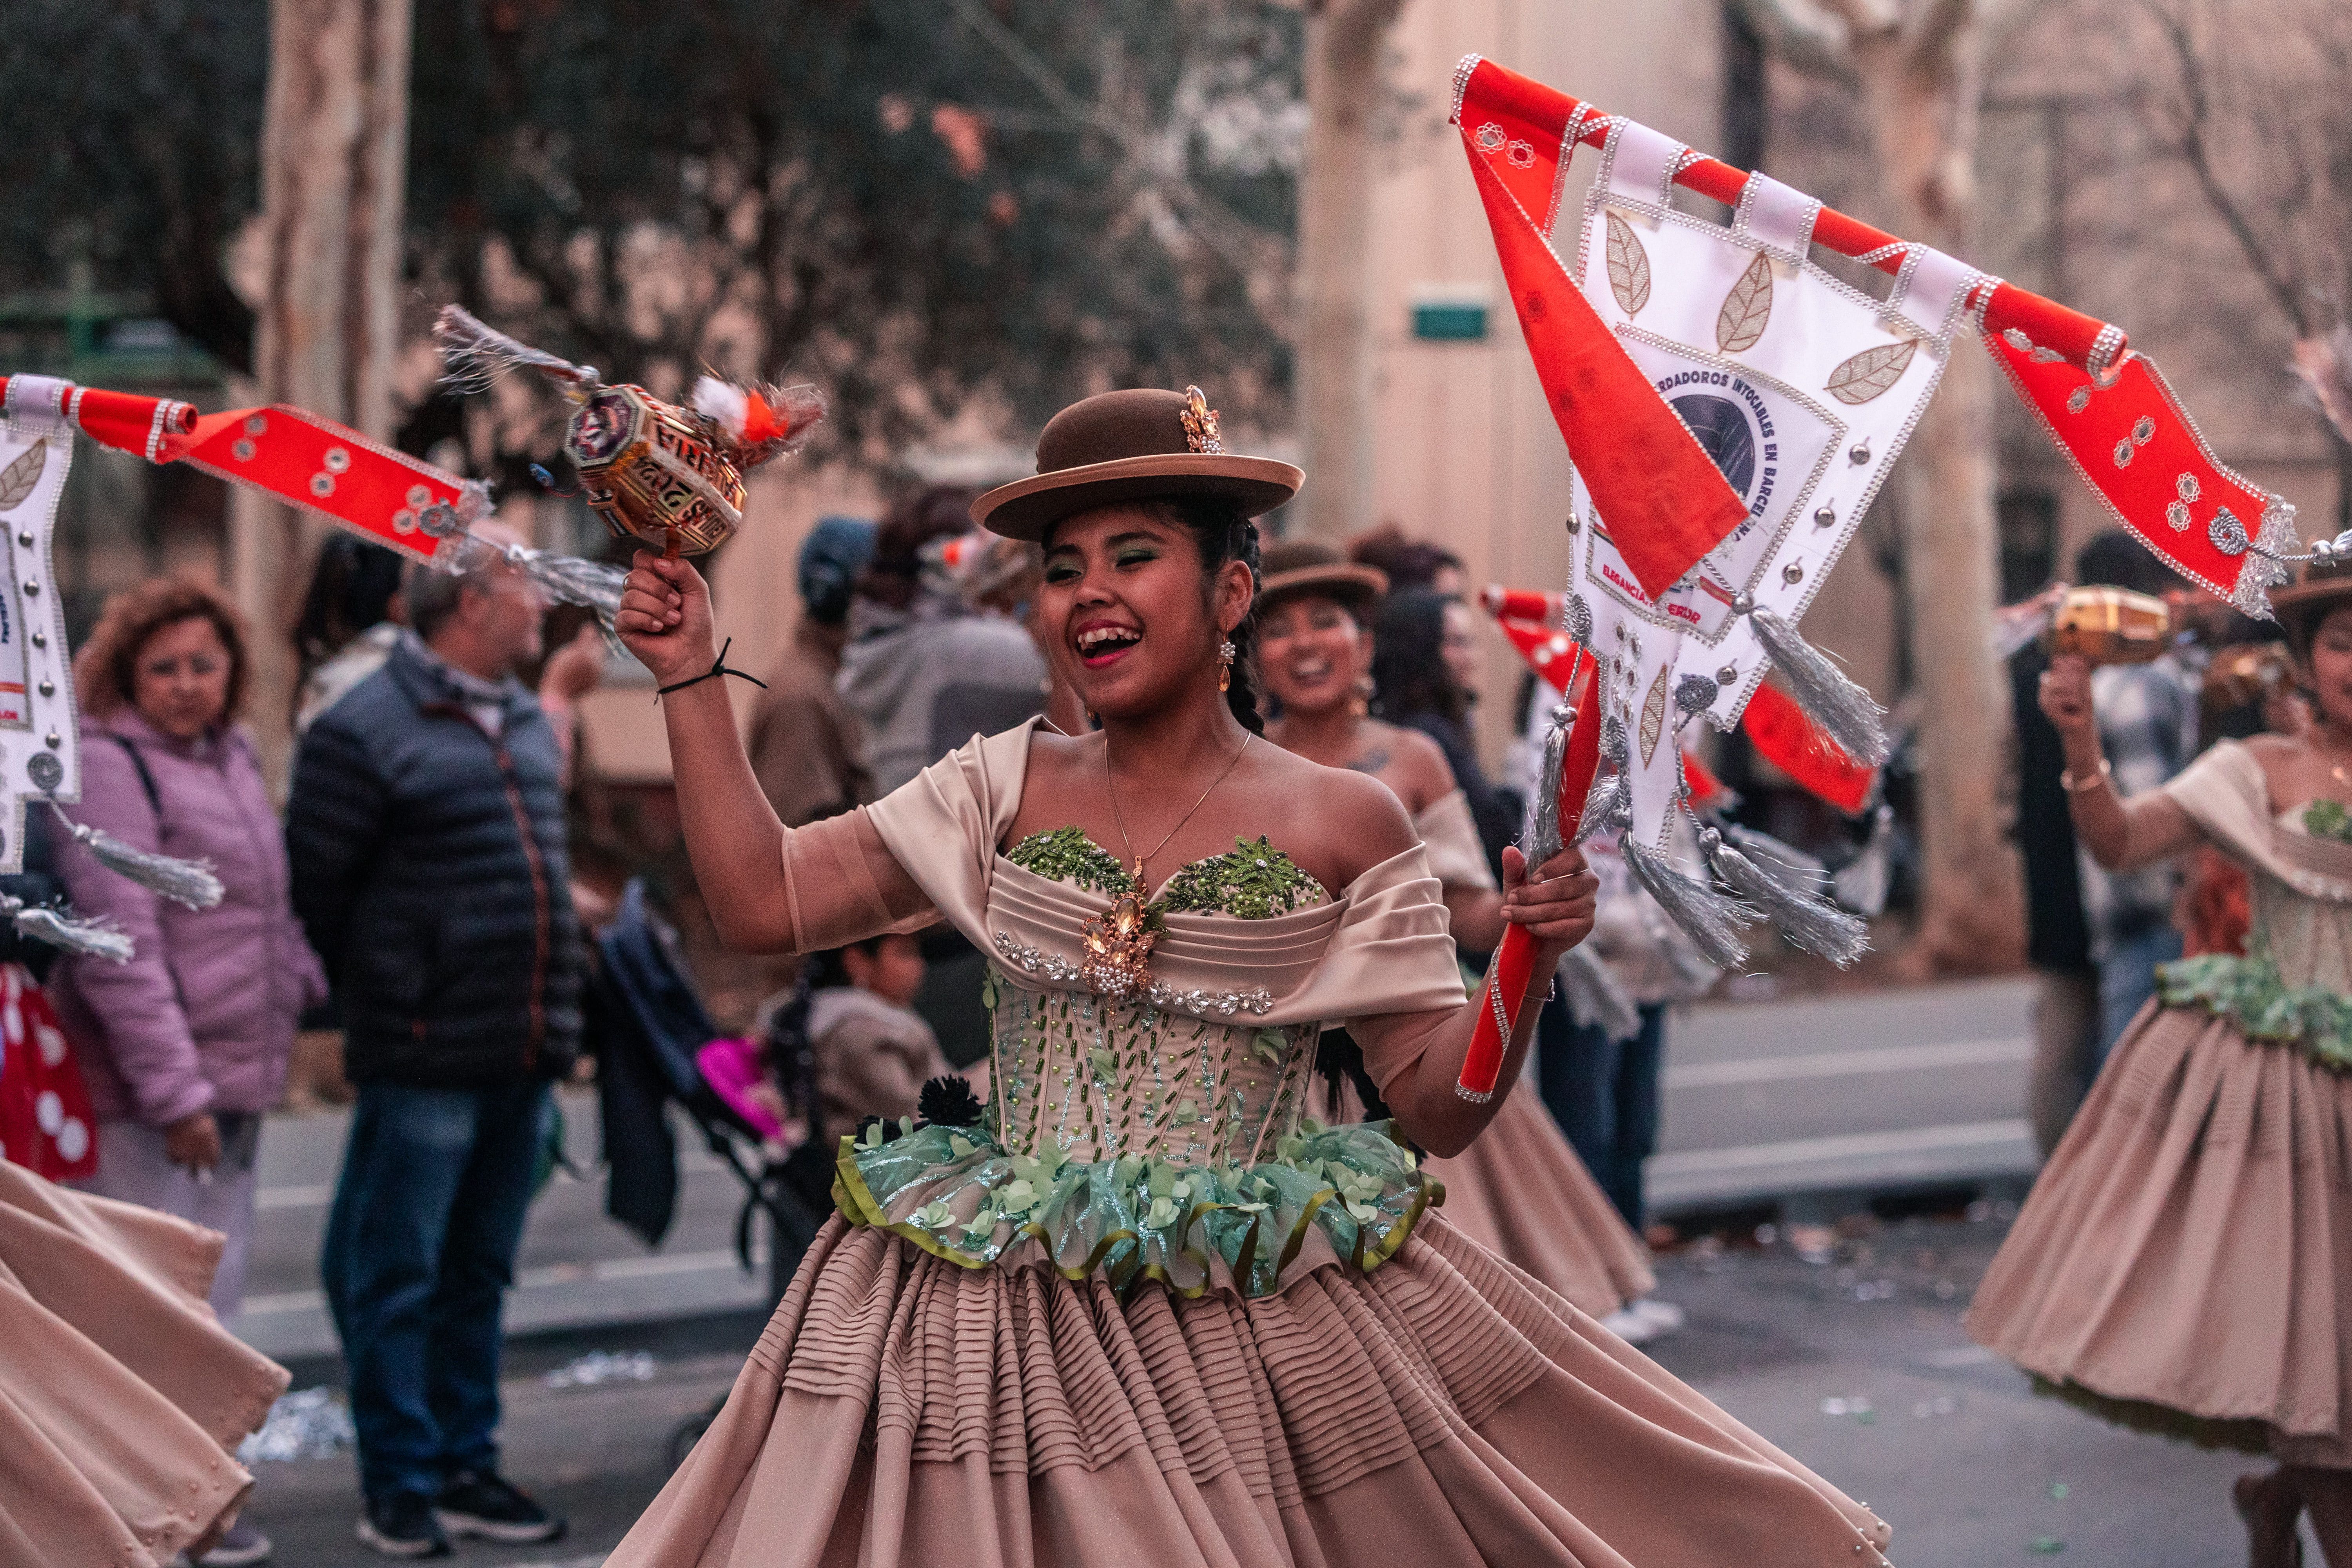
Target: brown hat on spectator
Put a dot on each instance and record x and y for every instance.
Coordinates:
(1296, 566)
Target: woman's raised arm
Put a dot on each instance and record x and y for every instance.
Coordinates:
(1557, 908)
(2121, 835)
(768, 888)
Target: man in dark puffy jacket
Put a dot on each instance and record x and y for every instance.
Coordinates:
(427, 843)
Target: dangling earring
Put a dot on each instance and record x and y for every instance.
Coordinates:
(1226, 654)
(1360, 703)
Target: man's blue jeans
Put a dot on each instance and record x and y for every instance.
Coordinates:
(2128, 979)
(420, 1250)
(1604, 1095)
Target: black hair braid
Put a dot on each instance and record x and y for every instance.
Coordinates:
(1241, 695)
(1224, 534)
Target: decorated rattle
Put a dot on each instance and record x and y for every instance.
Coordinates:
(672, 476)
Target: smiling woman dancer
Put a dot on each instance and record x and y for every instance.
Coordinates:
(1138, 1309)
(1519, 1190)
(2185, 1262)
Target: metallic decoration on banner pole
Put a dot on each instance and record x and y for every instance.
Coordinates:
(40, 758)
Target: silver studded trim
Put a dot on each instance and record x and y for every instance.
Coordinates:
(1167, 998)
(2106, 350)
(1462, 73)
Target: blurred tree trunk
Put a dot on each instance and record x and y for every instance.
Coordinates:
(1345, 41)
(1917, 69)
(333, 167)
(1921, 86)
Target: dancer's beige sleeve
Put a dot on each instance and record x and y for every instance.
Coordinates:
(843, 885)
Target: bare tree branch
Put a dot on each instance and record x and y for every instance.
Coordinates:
(1934, 28)
(1799, 33)
(1239, 244)
(2192, 142)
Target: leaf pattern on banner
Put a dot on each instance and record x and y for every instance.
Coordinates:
(1629, 267)
(17, 480)
(1872, 372)
(1653, 715)
(1746, 308)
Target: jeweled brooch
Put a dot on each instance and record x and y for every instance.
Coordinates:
(1201, 425)
(1115, 948)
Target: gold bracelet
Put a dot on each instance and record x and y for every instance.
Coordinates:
(2066, 779)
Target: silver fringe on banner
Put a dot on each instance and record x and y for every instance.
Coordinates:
(572, 580)
(1846, 713)
(474, 353)
(67, 934)
(1712, 920)
(1775, 888)
(1596, 998)
(1861, 883)
(188, 883)
(1609, 804)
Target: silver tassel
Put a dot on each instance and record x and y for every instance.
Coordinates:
(67, 934)
(1791, 866)
(1608, 806)
(1803, 916)
(573, 579)
(1596, 998)
(188, 883)
(1846, 713)
(474, 354)
(1542, 838)
(1861, 884)
(1711, 919)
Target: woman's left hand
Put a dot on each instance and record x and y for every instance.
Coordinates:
(1556, 903)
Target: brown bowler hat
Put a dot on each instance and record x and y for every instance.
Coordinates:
(1144, 444)
(1298, 566)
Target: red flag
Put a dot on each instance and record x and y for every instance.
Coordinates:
(2132, 443)
(1784, 737)
(1666, 502)
(392, 498)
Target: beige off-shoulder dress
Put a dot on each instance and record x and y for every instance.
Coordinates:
(2185, 1261)
(122, 1398)
(1149, 1312)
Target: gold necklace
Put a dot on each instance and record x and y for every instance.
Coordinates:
(1115, 946)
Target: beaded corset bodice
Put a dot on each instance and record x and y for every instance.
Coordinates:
(1094, 1079)
(1163, 1137)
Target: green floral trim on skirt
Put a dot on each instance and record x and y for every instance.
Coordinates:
(2249, 993)
(954, 1193)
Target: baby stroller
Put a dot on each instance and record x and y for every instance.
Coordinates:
(651, 1038)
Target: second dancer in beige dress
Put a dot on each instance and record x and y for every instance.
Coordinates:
(1519, 1190)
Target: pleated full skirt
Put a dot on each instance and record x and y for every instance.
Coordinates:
(122, 1398)
(901, 1410)
(2189, 1247)
(1520, 1191)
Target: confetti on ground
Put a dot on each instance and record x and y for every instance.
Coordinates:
(307, 1424)
(602, 1366)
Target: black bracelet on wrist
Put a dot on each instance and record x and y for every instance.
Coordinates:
(717, 667)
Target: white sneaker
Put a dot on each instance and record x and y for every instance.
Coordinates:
(1664, 1317)
(1629, 1326)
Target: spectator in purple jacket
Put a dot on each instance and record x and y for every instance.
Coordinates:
(186, 1046)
